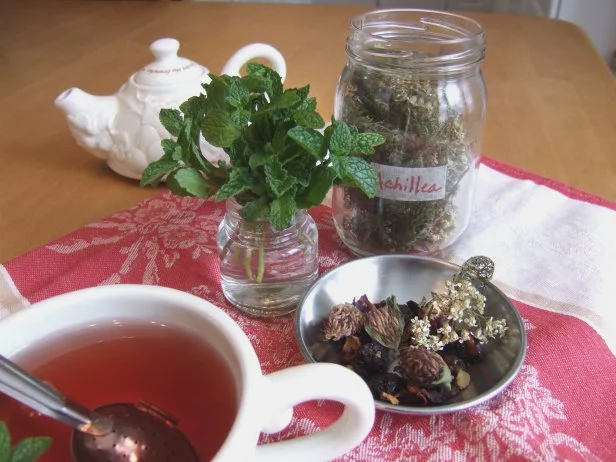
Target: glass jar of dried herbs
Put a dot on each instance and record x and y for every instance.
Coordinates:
(413, 76)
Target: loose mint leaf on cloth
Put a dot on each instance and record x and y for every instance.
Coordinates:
(361, 174)
(309, 139)
(188, 182)
(171, 119)
(5, 443)
(281, 212)
(30, 449)
(219, 129)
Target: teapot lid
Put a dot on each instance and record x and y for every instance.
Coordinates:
(168, 68)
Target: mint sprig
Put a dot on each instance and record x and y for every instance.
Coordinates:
(280, 160)
(27, 450)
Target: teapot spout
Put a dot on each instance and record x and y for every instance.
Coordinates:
(89, 118)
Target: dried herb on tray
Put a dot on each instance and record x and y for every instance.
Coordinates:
(416, 354)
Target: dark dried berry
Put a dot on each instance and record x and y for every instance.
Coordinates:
(388, 382)
(364, 337)
(469, 350)
(372, 358)
(411, 308)
(413, 396)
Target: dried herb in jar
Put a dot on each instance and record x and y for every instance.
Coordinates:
(421, 129)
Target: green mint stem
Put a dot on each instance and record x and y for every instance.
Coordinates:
(261, 265)
(247, 261)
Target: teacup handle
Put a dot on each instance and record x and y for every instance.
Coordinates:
(252, 51)
(292, 386)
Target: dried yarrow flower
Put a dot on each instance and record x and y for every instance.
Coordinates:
(344, 320)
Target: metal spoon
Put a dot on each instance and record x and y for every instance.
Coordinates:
(113, 432)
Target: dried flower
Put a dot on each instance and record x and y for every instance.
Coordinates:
(344, 320)
(385, 323)
(424, 367)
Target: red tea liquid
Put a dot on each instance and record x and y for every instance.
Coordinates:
(164, 366)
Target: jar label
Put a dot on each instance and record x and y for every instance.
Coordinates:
(411, 184)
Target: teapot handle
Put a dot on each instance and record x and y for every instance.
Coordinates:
(252, 51)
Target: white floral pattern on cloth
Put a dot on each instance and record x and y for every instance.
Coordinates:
(156, 232)
(513, 426)
(171, 241)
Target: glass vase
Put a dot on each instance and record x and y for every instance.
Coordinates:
(415, 77)
(265, 272)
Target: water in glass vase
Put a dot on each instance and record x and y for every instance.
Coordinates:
(265, 272)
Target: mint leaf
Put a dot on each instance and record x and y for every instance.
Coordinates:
(281, 211)
(238, 182)
(172, 120)
(284, 101)
(272, 80)
(171, 149)
(219, 129)
(364, 143)
(258, 159)
(30, 449)
(240, 117)
(309, 139)
(189, 182)
(217, 91)
(341, 141)
(5, 443)
(255, 209)
(339, 164)
(238, 97)
(278, 180)
(255, 83)
(361, 174)
(193, 106)
(154, 172)
(308, 119)
(320, 184)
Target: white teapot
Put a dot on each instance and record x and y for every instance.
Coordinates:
(124, 129)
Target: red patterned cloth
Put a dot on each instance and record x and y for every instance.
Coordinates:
(561, 406)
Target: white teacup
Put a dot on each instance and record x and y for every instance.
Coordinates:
(264, 403)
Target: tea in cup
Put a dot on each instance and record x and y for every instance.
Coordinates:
(135, 343)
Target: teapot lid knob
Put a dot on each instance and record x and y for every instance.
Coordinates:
(165, 48)
(168, 68)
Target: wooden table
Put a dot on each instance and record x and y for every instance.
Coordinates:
(552, 101)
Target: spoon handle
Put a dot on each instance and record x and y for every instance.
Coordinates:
(29, 390)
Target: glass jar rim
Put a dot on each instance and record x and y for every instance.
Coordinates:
(414, 38)
(358, 22)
